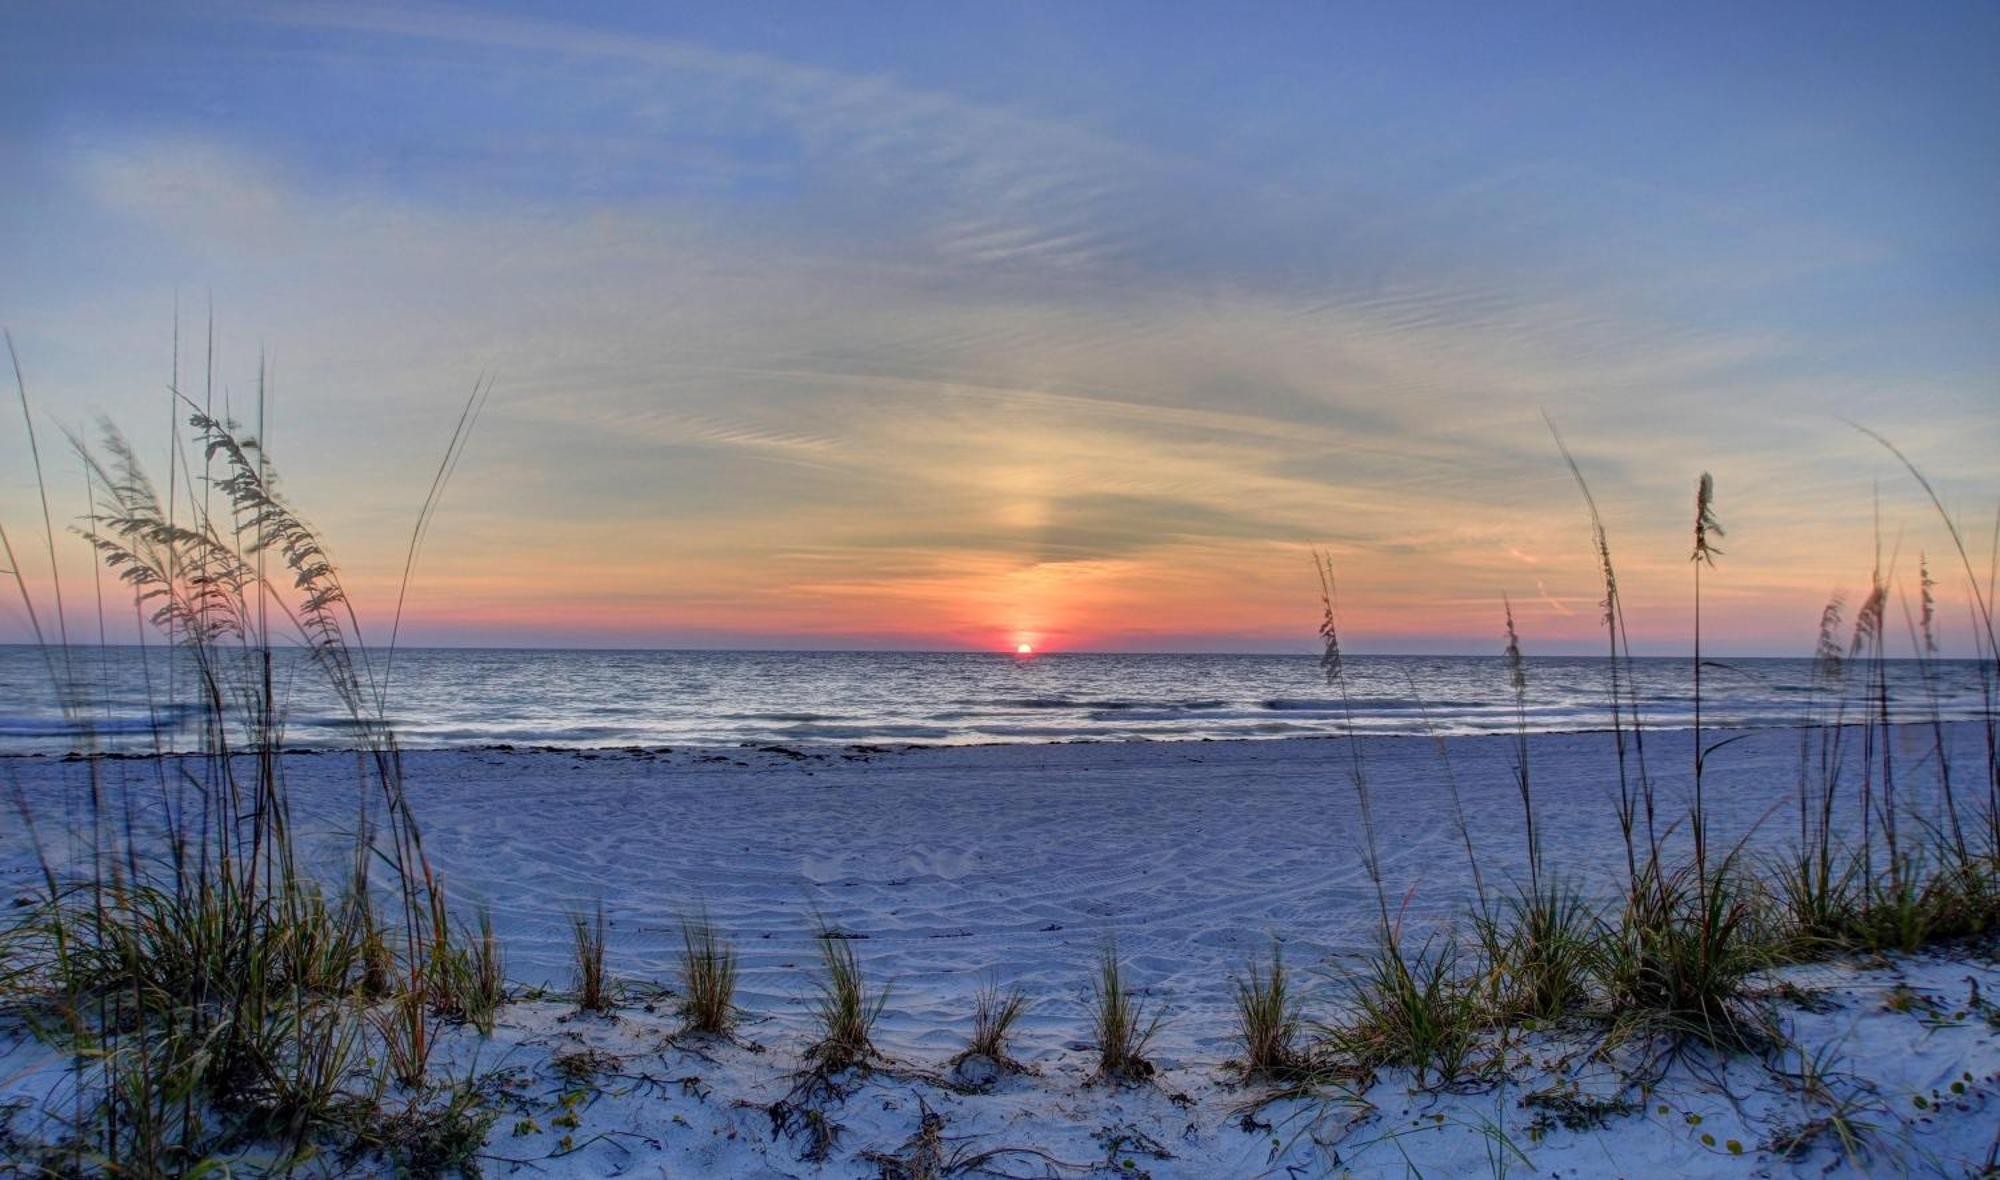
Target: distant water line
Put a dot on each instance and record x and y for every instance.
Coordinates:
(488, 697)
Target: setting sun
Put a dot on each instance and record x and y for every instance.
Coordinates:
(1024, 650)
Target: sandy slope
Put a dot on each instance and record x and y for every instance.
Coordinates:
(1019, 862)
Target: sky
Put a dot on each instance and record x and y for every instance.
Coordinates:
(959, 326)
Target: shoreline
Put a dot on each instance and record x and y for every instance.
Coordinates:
(809, 745)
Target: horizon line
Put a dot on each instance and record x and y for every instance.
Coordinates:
(996, 651)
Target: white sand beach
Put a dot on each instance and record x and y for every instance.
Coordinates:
(952, 866)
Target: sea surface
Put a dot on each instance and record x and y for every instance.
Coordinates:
(136, 698)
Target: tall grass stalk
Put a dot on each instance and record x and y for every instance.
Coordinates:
(1635, 786)
(1333, 667)
(1924, 642)
(1706, 528)
(1539, 939)
(1688, 937)
(1517, 681)
(1816, 897)
(1986, 647)
(1411, 1009)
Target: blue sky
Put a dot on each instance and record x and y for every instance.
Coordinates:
(941, 325)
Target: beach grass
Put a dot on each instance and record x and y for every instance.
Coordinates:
(213, 990)
(1682, 952)
(708, 977)
(1267, 1018)
(1677, 956)
(488, 984)
(846, 1009)
(587, 949)
(1118, 1017)
(1542, 947)
(995, 1010)
(1418, 1009)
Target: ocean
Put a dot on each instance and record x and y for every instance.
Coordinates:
(490, 697)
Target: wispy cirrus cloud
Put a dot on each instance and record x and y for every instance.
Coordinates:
(992, 186)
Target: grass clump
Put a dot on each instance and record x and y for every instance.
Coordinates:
(488, 983)
(1416, 1011)
(1119, 1018)
(1679, 959)
(994, 1012)
(1817, 896)
(587, 942)
(708, 978)
(1542, 949)
(403, 1030)
(845, 1011)
(466, 979)
(1267, 1019)
(220, 1003)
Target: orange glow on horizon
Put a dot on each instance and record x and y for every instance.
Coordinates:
(1249, 594)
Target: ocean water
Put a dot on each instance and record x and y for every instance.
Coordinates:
(130, 698)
